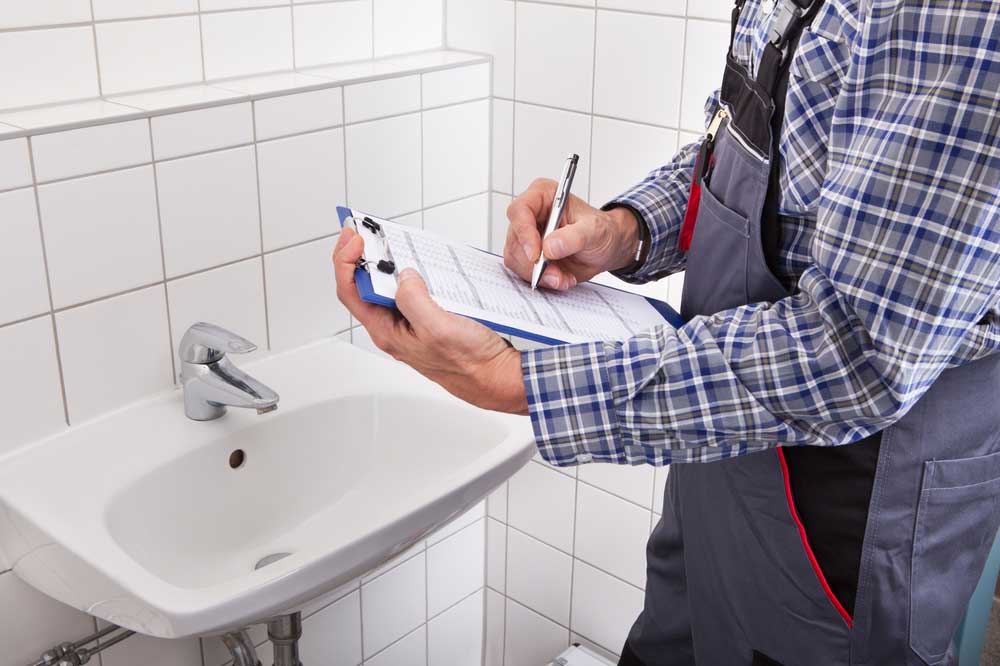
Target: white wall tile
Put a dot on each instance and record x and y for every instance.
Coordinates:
(604, 608)
(205, 129)
(15, 167)
(496, 504)
(332, 637)
(714, 9)
(632, 483)
(22, 266)
(407, 25)
(541, 504)
(638, 73)
(302, 112)
(455, 568)
(499, 222)
(624, 154)
(42, 66)
(575, 3)
(465, 221)
(91, 149)
(496, 555)
(457, 84)
(659, 487)
(15, 14)
(704, 63)
(231, 297)
(31, 622)
(32, 406)
(208, 209)
(477, 512)
(383, 166)
(394, 604)
(543, 139)
(380, 98)
(611, 534)
(539, 576)
(301, 184)
(555, 55)
(215, 5)
(456, 636)
(486, 25)
(410, 651)
(456, 143)
(93, 340)
(117, 9)
(503, 146)
(153, 652)
(671, 7)
(333, 32)
(101, 234)
(531, 638)
(251, 42)
(495, 626)
(149, 54)
(302, 305)
(415, 220)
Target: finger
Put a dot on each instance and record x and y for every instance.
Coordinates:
(569, 240)
(527, 212)
(350, 246)
(415, 302)
(514, 257)
(555, 277)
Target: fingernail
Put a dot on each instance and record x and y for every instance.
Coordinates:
(527, 250)
(556, 247)
(551, 281)
(572, 281)
(407, 274)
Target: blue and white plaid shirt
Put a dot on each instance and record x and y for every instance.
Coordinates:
(891, 167)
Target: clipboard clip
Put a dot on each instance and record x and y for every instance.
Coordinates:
(386, 264)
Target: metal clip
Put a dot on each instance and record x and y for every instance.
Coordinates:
(385, 265)
(788, 17)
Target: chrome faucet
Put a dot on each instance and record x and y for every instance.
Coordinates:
(211, 382)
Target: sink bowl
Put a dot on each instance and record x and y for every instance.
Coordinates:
(178, 528)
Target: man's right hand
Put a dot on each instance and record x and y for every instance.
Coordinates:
(589, 241)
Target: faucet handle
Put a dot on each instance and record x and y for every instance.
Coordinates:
(207, 343)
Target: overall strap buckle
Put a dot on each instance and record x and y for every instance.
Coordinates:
(791, 14)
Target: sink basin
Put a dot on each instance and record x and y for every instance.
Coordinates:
(176, 528)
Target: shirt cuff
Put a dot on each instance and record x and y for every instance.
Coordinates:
(658, 238)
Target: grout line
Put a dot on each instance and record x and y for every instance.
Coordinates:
(260, 223)
(372, 2)
(572, 571)
(563, 626)
(163, 260)
(680, 87)
(593, 95)
(201, 42)
(291, 19)
(97, 51)
(674, 128)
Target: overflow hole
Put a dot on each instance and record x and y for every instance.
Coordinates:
(237, 458)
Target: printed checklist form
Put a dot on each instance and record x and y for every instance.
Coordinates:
(474, 283)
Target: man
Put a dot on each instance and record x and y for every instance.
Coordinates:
(837, 381)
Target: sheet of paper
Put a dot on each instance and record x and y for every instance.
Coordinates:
(476, 284)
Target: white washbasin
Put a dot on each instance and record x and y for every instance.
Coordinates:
(139, 518)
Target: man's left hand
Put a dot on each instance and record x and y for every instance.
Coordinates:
(466, 358)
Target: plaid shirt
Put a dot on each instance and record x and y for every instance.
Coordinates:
(891, 166)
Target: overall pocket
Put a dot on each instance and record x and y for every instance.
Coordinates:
(716, 267)
(957, 521)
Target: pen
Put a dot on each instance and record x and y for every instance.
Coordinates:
(558, 206)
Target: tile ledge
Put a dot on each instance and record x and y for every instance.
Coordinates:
(121, 107)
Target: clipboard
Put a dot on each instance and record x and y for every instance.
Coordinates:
(376, 275)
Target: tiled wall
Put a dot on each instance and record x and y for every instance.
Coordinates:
(117, 236)
(622, 83)
(58, 50)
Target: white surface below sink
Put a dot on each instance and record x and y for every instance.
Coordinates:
(139, 518)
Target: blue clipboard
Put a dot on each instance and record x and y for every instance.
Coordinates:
(367, 292)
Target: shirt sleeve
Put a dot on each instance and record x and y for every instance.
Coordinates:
(905, 280)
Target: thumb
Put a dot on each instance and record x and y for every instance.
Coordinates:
(569, 240)
(414, 300)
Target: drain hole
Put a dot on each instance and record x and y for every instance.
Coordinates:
(237, 458)
(270, 559)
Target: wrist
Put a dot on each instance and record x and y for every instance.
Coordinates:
(627, 232)
(510, 394)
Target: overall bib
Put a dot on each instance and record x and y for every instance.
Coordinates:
(809, 556)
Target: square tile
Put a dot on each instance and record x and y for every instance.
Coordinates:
(22, 266)
(604, 608)
(15, 167)
(31, 407)
(383, 97)
(486, 26)
(465, 221)
(499, 222)
(624, 154)
(503, 146)
(333, 32)
(394, 604)
(496, 504)
(153, 652)
(704, 64)
(93, 340)
(251, 42)
(539, 576)
(149, 54)
(496, 555)
(531, 638)
(555, 55)
(456, 148)
(101, 235)
(189, 132)
(542, 504)
(302, 303)
(69, 113)
(43, 66)
(301, 185)
(294, 114)
(544, 139)
(638, 73)
(456, 84)
(632, 483)
(407, 25)
(174, 99)
(332, 637)
(495, 627)
(208, 210)
(231, 297)
(720, 10)
(611, 534)
(383, 166)
(215, 5)
(118, 9)
(91, 149)
(670, 7)
(43, 12)
(456, 636)
(409, 651)
(31, 622)
(415, 220)
(455, 568)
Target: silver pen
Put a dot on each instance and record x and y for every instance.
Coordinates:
(558, 206)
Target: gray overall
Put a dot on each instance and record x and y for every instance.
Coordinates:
(807, 556)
